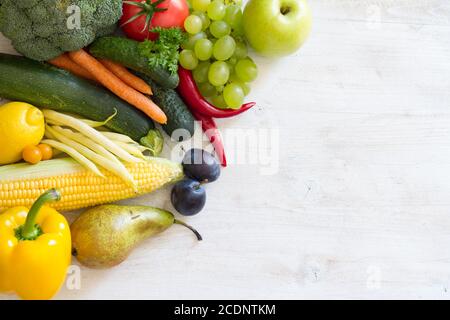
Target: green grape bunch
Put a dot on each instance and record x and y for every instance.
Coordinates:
(217, 53)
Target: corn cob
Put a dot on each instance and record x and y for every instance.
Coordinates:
(21, 184)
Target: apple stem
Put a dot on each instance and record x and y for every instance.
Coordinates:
(285, 10)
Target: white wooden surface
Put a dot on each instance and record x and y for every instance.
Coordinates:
(360, 206)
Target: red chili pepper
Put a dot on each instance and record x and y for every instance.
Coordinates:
(212, 132)
(192, 96)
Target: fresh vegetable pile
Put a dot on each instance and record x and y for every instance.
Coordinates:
(80, 131)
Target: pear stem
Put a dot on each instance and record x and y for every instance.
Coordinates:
(197, 234)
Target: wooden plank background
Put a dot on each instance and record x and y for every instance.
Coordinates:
(360, 204)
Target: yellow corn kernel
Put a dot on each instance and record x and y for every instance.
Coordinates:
(22, 184)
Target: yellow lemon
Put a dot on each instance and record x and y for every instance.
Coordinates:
(21, 125)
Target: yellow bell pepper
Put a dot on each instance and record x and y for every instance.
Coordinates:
(35, 249)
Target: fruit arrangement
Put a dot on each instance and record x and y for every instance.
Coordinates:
(82, 129)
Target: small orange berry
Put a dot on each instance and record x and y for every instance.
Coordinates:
(46, 150)
(32, 154)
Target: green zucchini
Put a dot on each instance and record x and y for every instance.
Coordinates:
(126, 52)
(45, 86)
(178, 114)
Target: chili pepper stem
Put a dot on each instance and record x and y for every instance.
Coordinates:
(30, 231)
(197, 234)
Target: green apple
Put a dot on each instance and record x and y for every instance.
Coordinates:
(276, 28)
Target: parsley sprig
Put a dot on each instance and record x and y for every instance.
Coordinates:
(164, 52)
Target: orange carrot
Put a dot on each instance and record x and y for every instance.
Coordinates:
(126, 76)
(117, 86)
(64, 62)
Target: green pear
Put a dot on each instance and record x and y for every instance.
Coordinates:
(105, 236)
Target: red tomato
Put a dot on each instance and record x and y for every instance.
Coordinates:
(176, 11)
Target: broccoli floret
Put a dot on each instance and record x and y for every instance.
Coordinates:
(37, 49)
(23, 23)
(26, 4)
(39, 29)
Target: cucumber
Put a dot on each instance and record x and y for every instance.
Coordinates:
(126, 52)
(178, 114)
(45, 86)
